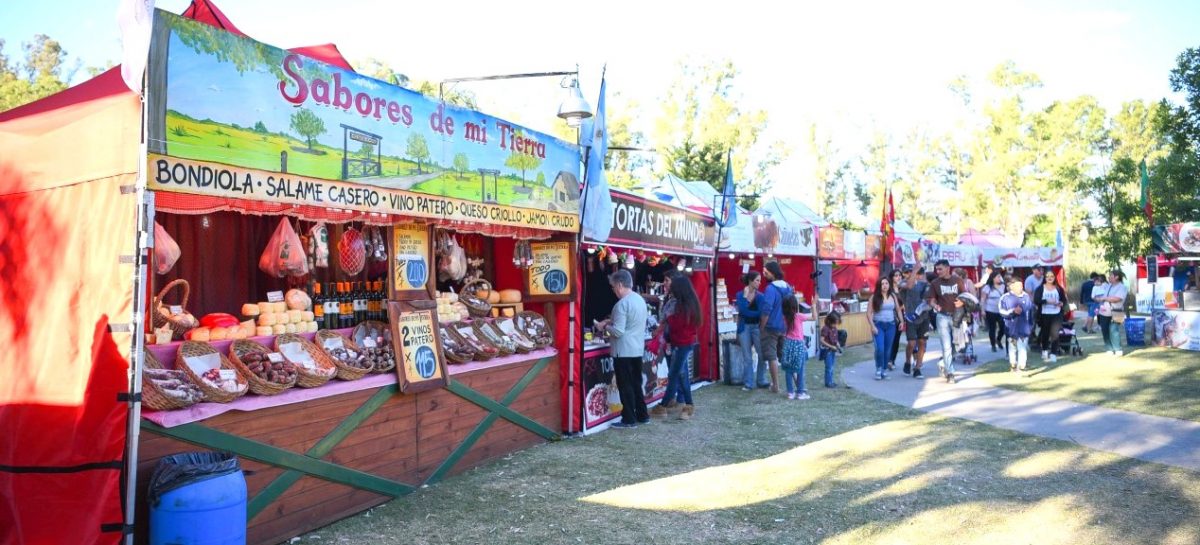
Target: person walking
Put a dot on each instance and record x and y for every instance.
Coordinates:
(943, 296)
(749, 336)
(771, 321)
(1017, 310)
(990, 294)
(1032, 283)
(795, 350)
(897, 279)
(830, 347)
(883, 313)
(916, 319)
(627, 333)
(1050, 299)
(1085, 298)
(683, 332)
(1111, 298)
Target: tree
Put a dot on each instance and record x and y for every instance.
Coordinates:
(541, 179)
(691, 161)
(461, 164)
(261, 128)
(522, 161)
(366, 150)
(702, 107)
(40, 74)
(308, 125)
(417, 149)
(830, 173)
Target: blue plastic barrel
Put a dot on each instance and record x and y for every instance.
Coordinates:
(1135, 331)
(208, 512)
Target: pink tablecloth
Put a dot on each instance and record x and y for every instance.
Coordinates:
(251, 402)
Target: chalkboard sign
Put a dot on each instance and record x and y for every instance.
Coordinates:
(411, 262)
(551, 277)
(418, 348)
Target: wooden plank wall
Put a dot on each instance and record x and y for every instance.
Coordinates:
(405, 440)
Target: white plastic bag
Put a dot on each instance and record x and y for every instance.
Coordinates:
(166, 251)
(284, 255)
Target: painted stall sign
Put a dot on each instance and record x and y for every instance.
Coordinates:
(831, 245)
(641, 224)
(223, 98)
(420, 365)
(1022, 257)
(412, 262)
(551, 276)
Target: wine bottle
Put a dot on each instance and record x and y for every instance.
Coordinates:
(332, 312)
(318, 305)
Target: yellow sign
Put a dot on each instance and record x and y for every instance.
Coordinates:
(549, 277)
(411, 261)
(217, 180)
(421, 366)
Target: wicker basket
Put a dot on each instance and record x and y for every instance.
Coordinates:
(534, 326)
(449, 336)
(479, 308)
(306, 378)
(484, 350)
(153, 397)
(344, 372)
(161, 315)
(241, 348)
(376, 330)
(491, 334)
(516, 335)
(216, 395)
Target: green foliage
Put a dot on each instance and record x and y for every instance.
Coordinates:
(366, 150)
(244, 54)
(691, 161)
(462, 164)
(541, 179)
(41, 73)
(180, 130)
(220, 132)
(702, 108)
(522, 161)
(308, 125)
(259, 127)
(417, 150)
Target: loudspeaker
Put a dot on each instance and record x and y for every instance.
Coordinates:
(1152, 269)
(825, 280)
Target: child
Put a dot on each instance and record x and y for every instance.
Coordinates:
(795, 350)
(1016, 308)
(830, 347)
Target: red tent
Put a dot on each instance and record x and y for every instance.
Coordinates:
(68, 170)
(986, 239)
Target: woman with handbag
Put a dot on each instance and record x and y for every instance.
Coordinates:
(1050, 300)
(1111, 297)
(885, 316)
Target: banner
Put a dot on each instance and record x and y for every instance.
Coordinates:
(1177, 238)
(228, 99)
(1177, 329)
(602, 401)
(832, 243)
(550, 277)
(1022, 257)
(216, 180)
(642, 224)
(771, 237)
(957, 255)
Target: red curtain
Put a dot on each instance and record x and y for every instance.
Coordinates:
(797, 270)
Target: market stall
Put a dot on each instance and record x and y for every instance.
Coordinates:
(348, 296)
(648, 237)
(1178, 327)
(1022, 260)
(852, 261)
(967, 259)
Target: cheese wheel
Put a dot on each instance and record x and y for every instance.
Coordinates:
(306, 316)
(200, 334)
(493, 297)
(264, 331)
(508, 312)
(218, 334)
(279, 329)
(281, 318)
(250, 309)
(290, 328)
(280, 307)
(310, 327)
(264, 307)
(266, 319)
(510, 296)
(295, 316)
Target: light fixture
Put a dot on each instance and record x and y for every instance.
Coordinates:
(688, 270)
(574, 109)
(771, 255)
(682, 264)
(732, 256)
(591, 249)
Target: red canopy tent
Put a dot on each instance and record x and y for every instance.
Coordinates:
(68, 238)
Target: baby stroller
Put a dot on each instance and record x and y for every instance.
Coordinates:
(1067, 337)
(964, 329)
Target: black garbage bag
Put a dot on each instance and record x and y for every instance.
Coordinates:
(178, 470)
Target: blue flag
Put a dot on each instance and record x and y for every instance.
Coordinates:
(727, 217)
(597, 204)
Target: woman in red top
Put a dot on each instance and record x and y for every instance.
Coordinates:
(683, 332)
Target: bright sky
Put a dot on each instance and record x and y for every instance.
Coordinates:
(849, 66)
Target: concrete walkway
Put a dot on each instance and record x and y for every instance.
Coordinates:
(1151, 438)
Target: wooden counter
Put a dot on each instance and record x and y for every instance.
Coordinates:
(312, 463)
(858, 330)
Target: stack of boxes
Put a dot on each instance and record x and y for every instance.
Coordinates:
(726, 313)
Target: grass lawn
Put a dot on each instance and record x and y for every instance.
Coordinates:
(753, 467)
(1157, 381)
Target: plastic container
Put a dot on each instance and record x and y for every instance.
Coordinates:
(1135, 331)
(198, 498)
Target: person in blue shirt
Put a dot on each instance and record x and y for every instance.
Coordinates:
(771, 323)
(1016, 307)
(749, 333)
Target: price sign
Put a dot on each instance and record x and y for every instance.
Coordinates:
(274, 296)
(275, 357)
(418, 347)
(227, 374)
(550, 277)
(368, 342)
(412, 262)
(176, 310)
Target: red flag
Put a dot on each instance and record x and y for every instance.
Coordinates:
(887, 228)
